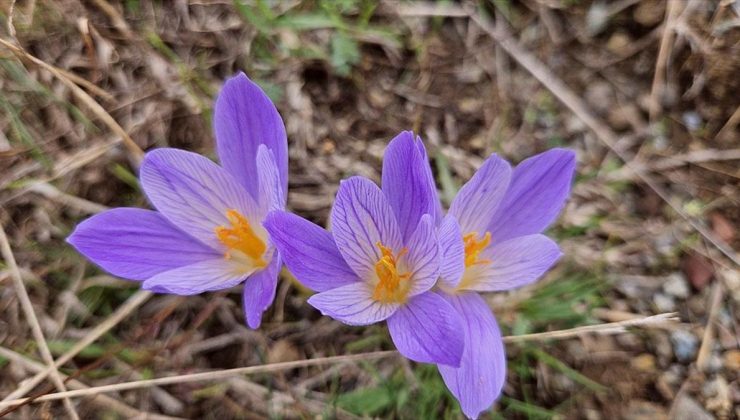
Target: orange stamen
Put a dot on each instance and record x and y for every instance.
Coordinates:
(242, 238)
(392, 286)
(473, 248)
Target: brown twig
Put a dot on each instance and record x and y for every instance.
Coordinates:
(561, 91)
(102, 400)
(122, 312)
(136, 153)
(661, 63)
(28, 310)
(707, 341)
(610, 328)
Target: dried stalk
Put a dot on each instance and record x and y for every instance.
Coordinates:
(27, 307)
(610, 328)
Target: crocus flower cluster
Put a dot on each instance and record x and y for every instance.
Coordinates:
(391, 255)
(368, 268)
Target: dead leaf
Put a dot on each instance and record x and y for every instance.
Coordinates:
(282, 351)
(722, 227)
(698, 270)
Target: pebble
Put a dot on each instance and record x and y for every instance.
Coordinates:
(717, 392)
(663, 347)
(686, 408)
(677, 286)
(692, 120)
(644, 362)
(669, 381)
(644, 410)
(618, 42)
(649, 13)
(684, 345)
(714, 363)
(664, 303)
(731, 359)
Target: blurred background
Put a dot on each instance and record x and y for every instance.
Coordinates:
(647, 93)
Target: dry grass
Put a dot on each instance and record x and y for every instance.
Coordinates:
(647, 96)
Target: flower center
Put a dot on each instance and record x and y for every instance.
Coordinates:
(241, 240)
(473, 248)
(392, 286)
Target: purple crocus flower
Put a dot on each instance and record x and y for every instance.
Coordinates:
(491, 240)
(207, 233)
(380, 259)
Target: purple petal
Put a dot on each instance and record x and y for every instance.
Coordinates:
(199, 277)
(477, 383)
(478, 199)
(136, 244)
(423, 256)
(308, 251)
(259, 292)
(194, 193)
(352, 304)
(539, 187)
(452, 249)
(408, 183)
(271, 194)
(427, 329)
(514, 263)
(244, 118)
(360, 219)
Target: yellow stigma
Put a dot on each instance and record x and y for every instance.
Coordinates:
(473, 248)
(240, 237)
(392, 286)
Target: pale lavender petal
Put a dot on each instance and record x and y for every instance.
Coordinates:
(352, 304)
(478, 199)
(308, 251)
(136, 244)
(244, 118)
(193, 193)
(538, 190)
(514, 263)
(360, 219)
(199, 277)
(423, 257)
(428, 329)
(271, 194)
(259, 292)
(452, 250)
(408, 183)
(477, 383)
(437, 211)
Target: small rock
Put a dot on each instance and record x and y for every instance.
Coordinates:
(669, 381)
(597, 18)
(663, 348)
(592, 414)
(684, 345)
(649, 13)
(470, 105)
(717, 392)
(677, 286)
(692, 120)
(599, 96)
(731, 359)
(713, 364)
(664, 303)
(644, 410)
(618, 42)
(644, 362)
(686, 408)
